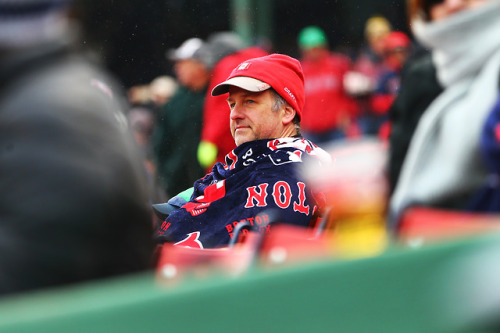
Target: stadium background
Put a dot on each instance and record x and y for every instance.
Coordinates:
(131, 36)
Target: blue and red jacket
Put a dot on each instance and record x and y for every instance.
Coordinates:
(487, 198)
(260, 178)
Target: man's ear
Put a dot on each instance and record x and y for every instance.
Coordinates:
(288, 114)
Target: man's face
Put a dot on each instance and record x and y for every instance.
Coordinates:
(191, 74)
(397, 57)
(252, 117)
(315, 53)
(377, 42)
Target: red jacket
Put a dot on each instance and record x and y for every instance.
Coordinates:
(326, 103)
(215, 128)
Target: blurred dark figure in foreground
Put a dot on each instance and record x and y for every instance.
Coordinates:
(73, 196)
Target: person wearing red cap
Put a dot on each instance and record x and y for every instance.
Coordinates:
(216, 141)
(397, 50)
(259, 183)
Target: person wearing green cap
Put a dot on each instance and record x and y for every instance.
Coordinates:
(311, 37)
(329, 111)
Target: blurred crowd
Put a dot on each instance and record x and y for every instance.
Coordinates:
(348, 96)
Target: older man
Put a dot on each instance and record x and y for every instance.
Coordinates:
(260, 176)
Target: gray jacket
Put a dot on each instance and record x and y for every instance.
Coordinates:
(72, 192)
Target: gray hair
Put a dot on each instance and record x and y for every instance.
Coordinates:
(280, 102)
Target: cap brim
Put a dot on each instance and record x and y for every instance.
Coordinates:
(163, 210)
(243, 82)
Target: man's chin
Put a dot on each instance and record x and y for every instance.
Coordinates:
(241, 139)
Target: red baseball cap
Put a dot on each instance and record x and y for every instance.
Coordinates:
(281, 72)
(396, 40)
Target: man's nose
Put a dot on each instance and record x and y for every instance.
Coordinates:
(236, 112)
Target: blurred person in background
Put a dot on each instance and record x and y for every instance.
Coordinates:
(367, 70)
(260, 183)
(226, 50)
(408, 106)
(140, 94)
(397, 50)
(141, 120)
(452, 160)
(162, 88)
(370, 59)
(178, 129)
(154, 95)
(329, 111)
(147, 100)
(73, 196)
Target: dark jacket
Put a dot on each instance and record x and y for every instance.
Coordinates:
(259, 184)
(419, 87)
(73, 200)
(176, 140)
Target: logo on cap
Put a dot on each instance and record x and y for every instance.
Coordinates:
(244, 65)
(290, 93)
(262, 86)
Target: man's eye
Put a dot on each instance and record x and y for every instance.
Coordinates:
(231, 105)
(250, 101)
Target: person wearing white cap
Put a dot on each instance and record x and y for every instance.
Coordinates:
(178, 128)
(73, 204)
